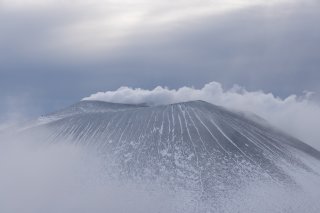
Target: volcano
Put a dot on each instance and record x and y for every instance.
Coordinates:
(194, 145)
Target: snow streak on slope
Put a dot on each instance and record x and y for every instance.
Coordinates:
(193, 145)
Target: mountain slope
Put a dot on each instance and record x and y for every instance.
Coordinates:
(194, 144)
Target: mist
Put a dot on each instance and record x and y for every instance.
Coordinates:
(63, 177)
(37, 177)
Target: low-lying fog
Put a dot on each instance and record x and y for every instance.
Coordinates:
(36, 177)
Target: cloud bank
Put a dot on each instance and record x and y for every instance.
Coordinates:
(296, 115)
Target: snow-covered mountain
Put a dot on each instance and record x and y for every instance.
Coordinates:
(194, 145)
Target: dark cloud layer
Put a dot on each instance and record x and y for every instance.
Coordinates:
(275, 48)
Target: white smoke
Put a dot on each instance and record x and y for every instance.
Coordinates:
(297, 115)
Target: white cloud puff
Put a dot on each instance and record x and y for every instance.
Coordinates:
(296, 115)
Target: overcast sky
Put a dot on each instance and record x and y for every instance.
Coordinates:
(53, 53)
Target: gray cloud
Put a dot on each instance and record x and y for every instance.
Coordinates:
(271, 47)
